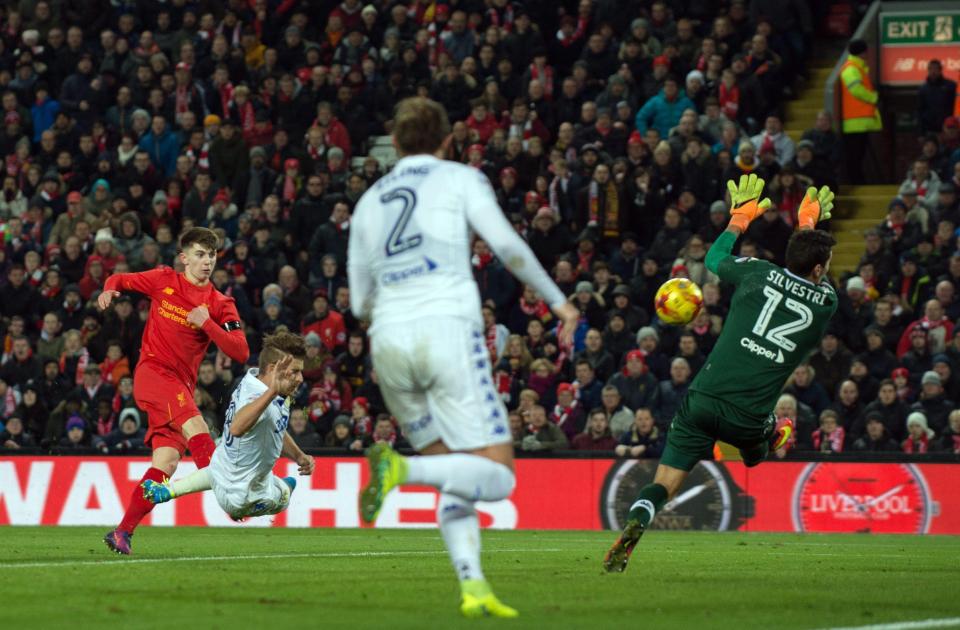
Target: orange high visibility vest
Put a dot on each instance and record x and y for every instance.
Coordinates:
(852, 106)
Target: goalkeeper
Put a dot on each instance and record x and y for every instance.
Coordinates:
(777, 316)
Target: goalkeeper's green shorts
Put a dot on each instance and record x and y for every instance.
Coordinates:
(702, 420)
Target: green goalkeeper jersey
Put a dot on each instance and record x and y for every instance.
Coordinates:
(776, 318)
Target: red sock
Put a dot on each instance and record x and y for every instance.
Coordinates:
(139, 507)
(201, 447)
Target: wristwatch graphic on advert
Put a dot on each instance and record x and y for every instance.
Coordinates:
(708, 500)
(862, 497)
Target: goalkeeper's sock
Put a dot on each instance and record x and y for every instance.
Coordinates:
(138, 506)
(201, 447)
(469, 477)
(652, 497)
(460, 528)
(194, 482)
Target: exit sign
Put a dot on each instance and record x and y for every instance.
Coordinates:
(908, 41)
(919, 28)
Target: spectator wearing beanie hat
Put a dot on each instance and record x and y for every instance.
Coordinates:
(75, 434)
(919, 435)
(317, 356)
(637, 386)
(875, 437)
(932, 402)
(548, 238)
(648, 340)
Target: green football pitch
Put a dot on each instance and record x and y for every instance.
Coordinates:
(276, 578)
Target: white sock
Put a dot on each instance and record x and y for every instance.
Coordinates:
(469, 477)
(460, 528)
(194, 482)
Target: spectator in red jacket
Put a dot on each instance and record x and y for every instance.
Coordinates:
(939, 329)
(481, 122)
(337, 134)
(326, 322)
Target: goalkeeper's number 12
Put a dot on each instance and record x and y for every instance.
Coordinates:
(778, 334)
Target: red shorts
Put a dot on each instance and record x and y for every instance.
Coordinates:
(168, 402)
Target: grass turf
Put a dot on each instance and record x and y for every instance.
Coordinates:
(199, 577)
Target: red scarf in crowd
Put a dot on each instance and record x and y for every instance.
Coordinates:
(248, 117)
(105, 425)
(290, 187)
(9, 403)
(916, 446)
(504, 21)
(729, 101)
(789, 203)
(328, 394)
(182, 100)
(226, 97)
(835, 439)
(545, 76)
(575, 36)
(81, 365)
(362, 426)
(561, 414)
(538, 310)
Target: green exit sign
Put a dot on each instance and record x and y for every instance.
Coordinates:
(920, 28)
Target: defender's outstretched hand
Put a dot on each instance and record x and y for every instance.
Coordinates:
(815, 207)
(745, 203)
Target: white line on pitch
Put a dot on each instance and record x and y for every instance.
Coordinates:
(949, 622)
(265, 556)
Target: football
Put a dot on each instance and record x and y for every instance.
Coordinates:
(678, 301)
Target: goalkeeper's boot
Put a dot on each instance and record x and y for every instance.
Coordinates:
(119, 541)
(619, 554)
(157, 492)
(782, 434)
(388, 469)
(477, 600)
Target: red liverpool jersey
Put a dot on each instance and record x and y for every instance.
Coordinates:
(170, 343)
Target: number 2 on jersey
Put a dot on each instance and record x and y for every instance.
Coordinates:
(778, 334)
(397, 243)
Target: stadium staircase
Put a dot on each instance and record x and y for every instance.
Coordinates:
(858, 208)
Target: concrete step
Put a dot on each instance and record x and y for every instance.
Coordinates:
(877, 189)
(856, 224)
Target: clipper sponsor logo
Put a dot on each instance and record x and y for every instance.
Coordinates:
(755, 348)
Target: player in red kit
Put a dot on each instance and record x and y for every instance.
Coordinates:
(186, 314)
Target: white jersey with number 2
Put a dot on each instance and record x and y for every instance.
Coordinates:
(409, 253)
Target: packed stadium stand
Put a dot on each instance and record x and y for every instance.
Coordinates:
(608, 130)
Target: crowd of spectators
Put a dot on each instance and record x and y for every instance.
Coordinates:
(887, 374)
(606, 128)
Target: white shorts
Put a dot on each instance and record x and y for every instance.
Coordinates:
(271, 496)
(435, 376)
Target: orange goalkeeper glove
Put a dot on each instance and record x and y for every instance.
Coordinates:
(815, 207)
(745, 203)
